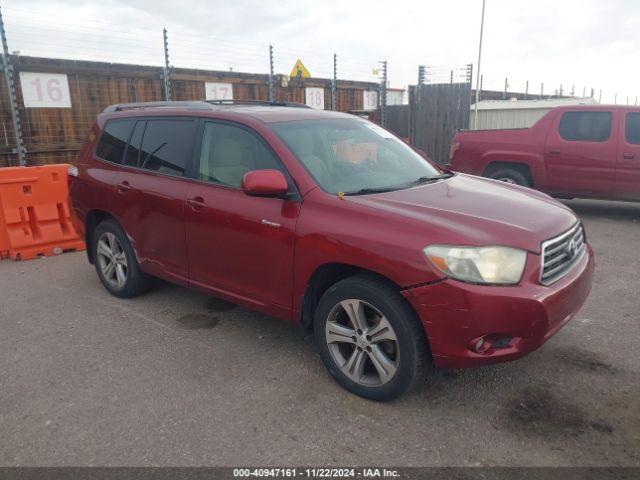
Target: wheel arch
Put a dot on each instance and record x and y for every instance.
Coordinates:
(92, 220)
(323, 278)
(522, 167)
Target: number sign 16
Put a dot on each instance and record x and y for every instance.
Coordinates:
(45, 90)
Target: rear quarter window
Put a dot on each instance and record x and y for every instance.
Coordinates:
(113, 140)
(585, 126)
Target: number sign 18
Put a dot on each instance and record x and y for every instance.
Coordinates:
(314, 97)
(45, 90)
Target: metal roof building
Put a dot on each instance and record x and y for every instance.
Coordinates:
(496, 114)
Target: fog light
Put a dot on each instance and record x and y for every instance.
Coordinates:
(480, 345)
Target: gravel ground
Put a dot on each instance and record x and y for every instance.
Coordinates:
(178, 378)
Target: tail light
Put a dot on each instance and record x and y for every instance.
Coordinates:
(454, 148)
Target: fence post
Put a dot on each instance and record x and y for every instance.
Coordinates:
(13, 101)
(420, 74)
(526, 91)
(166, 73)
(383, 94)
(506, 86)
(334, 81)
(271, 96)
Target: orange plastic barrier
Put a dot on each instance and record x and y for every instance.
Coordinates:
(35, 216)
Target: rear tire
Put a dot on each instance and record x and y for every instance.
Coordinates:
(370, 339)
(510, 175)
(116, 262)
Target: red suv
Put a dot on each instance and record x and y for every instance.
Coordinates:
(331, 222)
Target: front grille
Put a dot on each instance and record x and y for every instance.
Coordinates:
(559, 254)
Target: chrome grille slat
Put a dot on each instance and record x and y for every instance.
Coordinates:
(556, 257)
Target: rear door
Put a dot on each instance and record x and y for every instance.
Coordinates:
(580, 153)
(149, 194)
(627, 185)
(239, 245)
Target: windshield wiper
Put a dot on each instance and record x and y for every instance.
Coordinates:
(364, 191)
(433, 178)
(419, 181)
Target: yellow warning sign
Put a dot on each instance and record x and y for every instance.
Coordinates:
(299, 70)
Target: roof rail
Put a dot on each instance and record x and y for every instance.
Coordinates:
(258, 102)
(195, 104)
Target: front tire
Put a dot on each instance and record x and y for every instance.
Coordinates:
(370, 339)
(116, 263)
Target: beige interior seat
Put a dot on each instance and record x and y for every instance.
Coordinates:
(227, 163)
(303, 145)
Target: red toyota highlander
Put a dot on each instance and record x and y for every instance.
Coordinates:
(331, 222)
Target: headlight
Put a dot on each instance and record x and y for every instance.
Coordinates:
(497, 265)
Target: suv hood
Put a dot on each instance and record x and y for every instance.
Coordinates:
(468, 210)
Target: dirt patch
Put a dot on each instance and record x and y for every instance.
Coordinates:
(584, 360)
(195, 321)
(218, 305)
(536, 412)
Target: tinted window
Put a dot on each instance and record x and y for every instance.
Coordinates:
(166, 146)
(228, 152)
(585, 126)
(132, 156)
(632, 128)
(114, 140)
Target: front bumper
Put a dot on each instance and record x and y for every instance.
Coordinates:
(454, 314)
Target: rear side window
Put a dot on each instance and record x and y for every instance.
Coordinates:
(585, 126)
(114, 140)
(632, 128)
(166, 146)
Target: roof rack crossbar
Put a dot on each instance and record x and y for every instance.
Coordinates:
(119, 107)
(258, 102)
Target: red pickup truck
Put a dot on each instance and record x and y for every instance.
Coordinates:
(574, 151)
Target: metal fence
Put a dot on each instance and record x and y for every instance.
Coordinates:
(59, 75)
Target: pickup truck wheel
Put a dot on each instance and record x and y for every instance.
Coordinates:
(370, 339)
(116, 262)
(510, 175)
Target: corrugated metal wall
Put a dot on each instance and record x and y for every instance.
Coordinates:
(492, 119)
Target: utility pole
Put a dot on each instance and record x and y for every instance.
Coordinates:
(475, 120)
(166, 74)
(271, 96)
(383, 94)
(334, 82)
(13, 101)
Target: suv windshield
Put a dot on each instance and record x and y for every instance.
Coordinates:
(355, 156)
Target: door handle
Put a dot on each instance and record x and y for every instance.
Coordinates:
(555, 151)
(124, 187)
(628, 156)
(196, 203)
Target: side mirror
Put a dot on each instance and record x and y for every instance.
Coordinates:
(264, 183)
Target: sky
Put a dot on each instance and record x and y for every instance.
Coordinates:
(579, 44)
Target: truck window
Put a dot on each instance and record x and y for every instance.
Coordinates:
(585, 126)
(632, 128)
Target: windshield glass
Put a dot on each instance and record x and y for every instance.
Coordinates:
(354, 156)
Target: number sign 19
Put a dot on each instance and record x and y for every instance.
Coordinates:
(314, 97)
(370, 100)
(218, 91)
(45, 90)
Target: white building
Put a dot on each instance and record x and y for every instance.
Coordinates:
(495, 114)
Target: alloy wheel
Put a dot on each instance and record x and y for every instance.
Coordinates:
(362, 343)
(112, 260)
